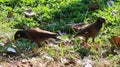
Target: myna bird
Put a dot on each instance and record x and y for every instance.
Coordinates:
(35, 35)
(91, 31)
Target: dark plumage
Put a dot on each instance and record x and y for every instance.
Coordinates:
(35, 35)
(91, 30)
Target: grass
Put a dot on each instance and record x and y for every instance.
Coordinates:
(54, 15)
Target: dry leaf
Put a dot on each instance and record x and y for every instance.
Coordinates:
(10, 15)
(24, 61)
(28, 13)
(115, 40)
(4, 40)
(93, 6)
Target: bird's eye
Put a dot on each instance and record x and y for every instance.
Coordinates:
(18, 35)
(100, 19)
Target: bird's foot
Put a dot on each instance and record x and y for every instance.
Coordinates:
(95, 45)
(88, 45)
(46, 48)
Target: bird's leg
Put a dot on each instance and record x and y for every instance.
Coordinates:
(46, 45)
(39, 45)
(36, 49)
(85, 42)
(94, 43)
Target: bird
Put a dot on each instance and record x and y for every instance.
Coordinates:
(91, 31)
(35, 35)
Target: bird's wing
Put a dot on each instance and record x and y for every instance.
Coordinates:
(89, 27)
(38, 33)
(41, 31)
(86, 29)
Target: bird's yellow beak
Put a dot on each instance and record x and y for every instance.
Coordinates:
(107, 22)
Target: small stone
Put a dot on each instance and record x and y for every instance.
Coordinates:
(11, 50)
(110, 3)
(24, 61)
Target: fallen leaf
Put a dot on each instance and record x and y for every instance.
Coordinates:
(115, 40)
(10, 15)
(28, 13)
(93, 6)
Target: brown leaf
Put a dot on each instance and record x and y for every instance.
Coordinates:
(28, 13)
(4, 40)
(70, 62)
(93, 6)
(115, 40)
(10, 15)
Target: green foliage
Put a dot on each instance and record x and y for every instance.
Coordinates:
(60, 12)
(55, 15)
(83, 52)
(24, 44)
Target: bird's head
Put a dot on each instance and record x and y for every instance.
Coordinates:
(102, 19)
(19, 34)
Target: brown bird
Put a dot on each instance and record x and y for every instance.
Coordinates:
(35, 35)
(91, 31)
